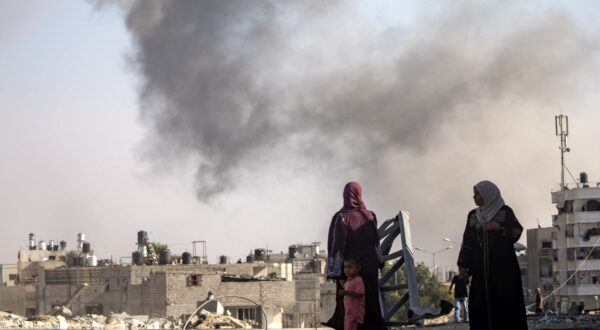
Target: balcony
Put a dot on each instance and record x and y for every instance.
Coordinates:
(583, 217)
(583, 290)
(590, 264)
(575, 242)
(577, 193)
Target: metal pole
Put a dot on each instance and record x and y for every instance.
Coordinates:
(561, 126)
(434, 270)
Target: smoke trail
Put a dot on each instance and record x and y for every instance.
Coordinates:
(232, 83)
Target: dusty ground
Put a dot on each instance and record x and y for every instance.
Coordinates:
(538, 323)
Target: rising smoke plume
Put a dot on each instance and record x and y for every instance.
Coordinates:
(233, 84)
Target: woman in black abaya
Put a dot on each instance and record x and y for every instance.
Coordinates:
(487, 253)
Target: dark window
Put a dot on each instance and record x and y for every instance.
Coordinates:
(592, 205)
(94, 309)
(570, 254)
(194, 280)
(12, 277)
(52, 258)
(583, 252)
(569, 231)
(546, 244)
(250, 314)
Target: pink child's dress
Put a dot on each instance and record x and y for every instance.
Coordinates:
(354, 306)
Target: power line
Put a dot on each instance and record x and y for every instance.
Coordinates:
(572, 275)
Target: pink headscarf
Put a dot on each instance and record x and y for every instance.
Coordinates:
(353, 197)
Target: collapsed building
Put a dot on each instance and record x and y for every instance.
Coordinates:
(290, 288)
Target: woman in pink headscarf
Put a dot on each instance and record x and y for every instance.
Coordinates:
(353, 232)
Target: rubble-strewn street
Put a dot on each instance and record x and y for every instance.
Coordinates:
(206, 320)
(548, 322)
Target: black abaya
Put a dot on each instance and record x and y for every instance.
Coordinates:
(496, 297)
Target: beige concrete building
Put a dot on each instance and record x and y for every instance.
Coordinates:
(8, 274)
(541, 255)
(292, 293)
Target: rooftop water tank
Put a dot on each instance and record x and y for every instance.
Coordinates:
(92, 261)
(223, 260)
(583, 177)
(32, 245)
(164, 257)
(136, 258)
(142, 237)
(85, 247)
(186, 258)
(80, 236)
(292, 251)
(259, 254)
(63, 245)
(42, 245)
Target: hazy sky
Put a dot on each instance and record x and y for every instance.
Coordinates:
(239, 123)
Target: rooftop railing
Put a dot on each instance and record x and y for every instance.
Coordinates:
(576, 185)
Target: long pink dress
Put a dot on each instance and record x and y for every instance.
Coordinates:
(354, 306)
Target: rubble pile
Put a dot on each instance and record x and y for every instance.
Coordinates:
(208, 320)
(121, 321)
(553, 321)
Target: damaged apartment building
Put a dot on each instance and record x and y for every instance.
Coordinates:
(289, 288)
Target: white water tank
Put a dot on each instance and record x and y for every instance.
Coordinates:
(42, 245)
(32, 241)
(92, 261)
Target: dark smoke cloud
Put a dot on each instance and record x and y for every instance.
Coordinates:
(231, 84)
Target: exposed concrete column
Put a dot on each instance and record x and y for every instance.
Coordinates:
(41, 290)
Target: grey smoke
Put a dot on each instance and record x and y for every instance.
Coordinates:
(230, 85)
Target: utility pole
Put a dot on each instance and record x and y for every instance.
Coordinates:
(561, 126)
(433, 253)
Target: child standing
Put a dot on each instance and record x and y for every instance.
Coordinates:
(354, 295)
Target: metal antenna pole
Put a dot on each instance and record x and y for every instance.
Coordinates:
(561, 126)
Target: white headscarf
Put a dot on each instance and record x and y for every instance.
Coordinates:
(491, 199)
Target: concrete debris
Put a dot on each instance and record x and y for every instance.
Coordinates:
(554, 321)
(61, 310)
(208, 320)
(121, 321)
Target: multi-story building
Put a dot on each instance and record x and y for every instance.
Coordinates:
(576, 254)
(540, 258)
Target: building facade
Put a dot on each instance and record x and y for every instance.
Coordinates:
(575, 254)
(292, 293)
(8, 274)
(541, 255)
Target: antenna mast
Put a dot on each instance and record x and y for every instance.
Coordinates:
(561, 126)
